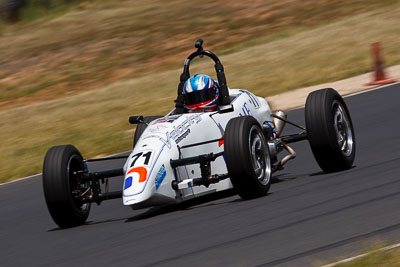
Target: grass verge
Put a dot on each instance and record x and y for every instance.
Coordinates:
(382, 258)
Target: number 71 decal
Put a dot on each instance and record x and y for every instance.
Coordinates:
(138, 165)
(141, 159)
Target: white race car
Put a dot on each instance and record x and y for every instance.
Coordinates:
(185, 155)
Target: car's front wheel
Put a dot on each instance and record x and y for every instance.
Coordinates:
(247, 157)
(63, 190)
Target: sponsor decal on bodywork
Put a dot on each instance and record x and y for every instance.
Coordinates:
(245, 110)
(158, 128)
(252, 99)
(221, 142)
(139, 160)
(183, 136)
(169, 119)
(160, 176)
(142, 158)
(221, 130)
(179, 132)
(141, 171)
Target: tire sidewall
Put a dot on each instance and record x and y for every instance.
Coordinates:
(239, 160)
(322, 136)
(59, 162)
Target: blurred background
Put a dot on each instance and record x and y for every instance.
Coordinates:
(73, 71)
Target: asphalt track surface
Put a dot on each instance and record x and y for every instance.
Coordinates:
(309, 218)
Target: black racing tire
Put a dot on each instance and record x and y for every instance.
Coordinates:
(330, 130)
(247, 157)
(141, 127)
(59, 182)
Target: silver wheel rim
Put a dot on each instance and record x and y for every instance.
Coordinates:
(343, 130)
(259, 154)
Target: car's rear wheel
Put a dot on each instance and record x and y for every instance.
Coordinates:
(62, 188)
(141, 127)
(247, 157)
(330, 130)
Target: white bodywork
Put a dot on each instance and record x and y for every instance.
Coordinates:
(148, 173)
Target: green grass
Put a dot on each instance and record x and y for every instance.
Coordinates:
(45, 10)
(49, 103)
(385, 258)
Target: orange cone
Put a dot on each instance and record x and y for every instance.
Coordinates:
(380, 77)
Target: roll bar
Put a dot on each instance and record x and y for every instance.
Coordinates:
(223, 87)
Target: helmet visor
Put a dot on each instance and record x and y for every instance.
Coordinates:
(200, 96)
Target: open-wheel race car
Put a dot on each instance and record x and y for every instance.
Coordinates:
(190, 153)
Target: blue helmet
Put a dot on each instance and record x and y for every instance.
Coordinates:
(200, 92)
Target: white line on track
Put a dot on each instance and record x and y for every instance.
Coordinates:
(20, 179)
(35, 175)
(362, 255)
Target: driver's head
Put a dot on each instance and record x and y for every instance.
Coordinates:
(201, 93)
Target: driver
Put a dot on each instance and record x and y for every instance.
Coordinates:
(200, 93)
